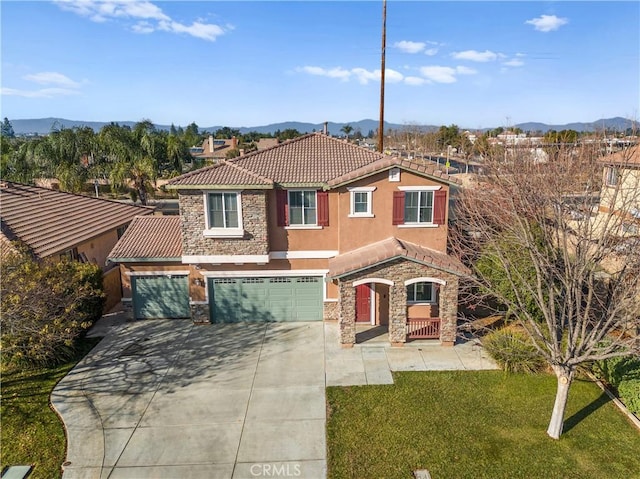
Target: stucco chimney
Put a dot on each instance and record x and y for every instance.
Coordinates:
(211, 144)
(325, 130)
(234, 143)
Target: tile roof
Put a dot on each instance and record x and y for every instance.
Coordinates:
(392, 248)
(629, 157)
(150, 238)
(387, 163)
(223, 174)
(50, 221)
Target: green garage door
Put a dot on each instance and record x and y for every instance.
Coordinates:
(160, 296)
(266, 299)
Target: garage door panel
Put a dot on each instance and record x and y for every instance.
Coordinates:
(266, 299)
(161, 297)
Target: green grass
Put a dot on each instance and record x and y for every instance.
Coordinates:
(485, 424)
(31, 432)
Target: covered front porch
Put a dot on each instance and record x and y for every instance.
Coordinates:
(396, 291)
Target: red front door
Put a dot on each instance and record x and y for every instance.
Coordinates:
(363, 303)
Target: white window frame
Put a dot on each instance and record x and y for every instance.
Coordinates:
(612, 176)
(302, 225)
(420, 189)
(368, 190)
(413, 287)
(224, 232)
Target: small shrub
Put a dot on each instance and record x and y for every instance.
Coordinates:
(513, 351)
(629, 392)
(615, 370)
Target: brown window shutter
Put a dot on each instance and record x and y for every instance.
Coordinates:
(439, 206)
(281, 204)
(323, 208)
(398, 207)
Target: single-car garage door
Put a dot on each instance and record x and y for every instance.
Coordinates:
(296, 298)
(160, 296)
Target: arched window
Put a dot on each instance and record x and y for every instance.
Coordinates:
(422, 292)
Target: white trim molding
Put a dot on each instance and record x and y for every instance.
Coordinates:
(158, 273)
(310, 254)
(361, 189)
(373, 280)
(426, 279)
(226, 259)
(419, 188)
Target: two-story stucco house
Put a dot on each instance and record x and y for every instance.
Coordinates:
(312, 229)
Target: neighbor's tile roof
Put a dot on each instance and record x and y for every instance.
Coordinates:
(389, 162)
(224, 174)
(628, 157)
(149, 237)
(50, 221)
(389, 249)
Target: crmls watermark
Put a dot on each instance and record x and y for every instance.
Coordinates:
(276, 470)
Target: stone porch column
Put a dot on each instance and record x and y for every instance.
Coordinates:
(449, 312)
(347, 315)
(398, 314)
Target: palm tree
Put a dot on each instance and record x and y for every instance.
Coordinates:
(347, 129)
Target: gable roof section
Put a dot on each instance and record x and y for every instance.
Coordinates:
(222, 175)
(388, 250)
(149, 238)
(386, 163)
(49, 221)
(628, 158)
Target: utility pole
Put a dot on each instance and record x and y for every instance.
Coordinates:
(384, 43)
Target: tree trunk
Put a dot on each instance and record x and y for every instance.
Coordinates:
(565, 377)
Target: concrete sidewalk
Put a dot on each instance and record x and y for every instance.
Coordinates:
(373, 362)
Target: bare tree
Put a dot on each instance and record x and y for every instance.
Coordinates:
(559, 239)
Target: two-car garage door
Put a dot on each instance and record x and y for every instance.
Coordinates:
(265, 299)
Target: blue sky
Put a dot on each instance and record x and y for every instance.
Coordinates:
(476, 64)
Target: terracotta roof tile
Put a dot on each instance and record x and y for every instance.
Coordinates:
(50, 221)
(629, 157)
(389, 249)
(149, 237)
(224, 174)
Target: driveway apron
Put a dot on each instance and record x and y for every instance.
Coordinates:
(167, 399)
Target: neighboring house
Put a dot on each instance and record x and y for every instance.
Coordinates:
(314, 228)
(620, 193)
(264, 143)
(214, 149)
(53, 225)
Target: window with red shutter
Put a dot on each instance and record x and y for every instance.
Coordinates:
(281, 204)
(398, 207)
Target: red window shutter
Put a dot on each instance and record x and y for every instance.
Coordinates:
(398, 207)
(439, 206)
(323, 208)
(281, 204)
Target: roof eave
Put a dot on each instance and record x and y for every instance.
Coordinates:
(399, 256)
(219, 187)
(176, 259)
(450, 182)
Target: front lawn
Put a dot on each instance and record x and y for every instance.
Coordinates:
(485, 424)
(31, 432)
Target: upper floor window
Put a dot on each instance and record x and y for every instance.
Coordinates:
(303, 208)
(419, 206)
(611, 177)
(360, 201)
(224, 214)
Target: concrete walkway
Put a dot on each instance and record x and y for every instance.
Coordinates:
(167, 399)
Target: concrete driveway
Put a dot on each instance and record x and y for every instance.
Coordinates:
(167, 399)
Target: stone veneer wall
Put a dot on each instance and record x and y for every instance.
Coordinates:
(399, 271)
(200, 313)
(331, 310)
(254, 222)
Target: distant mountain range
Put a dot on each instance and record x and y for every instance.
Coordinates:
(41, 126)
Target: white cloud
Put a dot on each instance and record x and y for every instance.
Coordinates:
(439, 74)
(465, 70)
(362, 75)
(42, 93)
(475, 56)
(52, 78)
(409, 47)
(431, 51)
(415, 81)
(515, 62)
(147, 16)
(547, 23)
